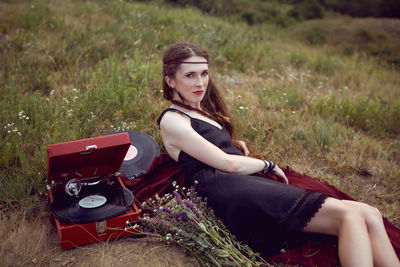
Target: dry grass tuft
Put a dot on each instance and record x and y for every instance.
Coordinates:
(33, 241)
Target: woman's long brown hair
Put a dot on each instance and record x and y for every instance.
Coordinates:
(212, 102)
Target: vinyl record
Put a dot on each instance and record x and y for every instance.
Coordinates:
(140, 155)
(118, 201)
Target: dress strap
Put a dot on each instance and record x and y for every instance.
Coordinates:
(170, 109)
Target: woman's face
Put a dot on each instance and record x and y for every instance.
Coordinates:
(190, 81)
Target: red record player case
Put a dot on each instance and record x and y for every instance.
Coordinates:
(83, 159)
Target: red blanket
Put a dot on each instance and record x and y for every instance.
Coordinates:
(316, 250)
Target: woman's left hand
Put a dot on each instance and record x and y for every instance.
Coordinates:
(243, 147)
(278, 172)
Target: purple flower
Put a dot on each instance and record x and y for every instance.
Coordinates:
(188, 204)
(167, 210)
(181, 216)
(178, 198)
(193, 208)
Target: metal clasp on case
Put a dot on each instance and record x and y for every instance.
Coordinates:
(101, 228)
(91, 147)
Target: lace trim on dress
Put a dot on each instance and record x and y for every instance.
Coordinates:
(301, 209)
(313, 210)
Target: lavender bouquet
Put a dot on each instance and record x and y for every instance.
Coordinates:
(183, 218)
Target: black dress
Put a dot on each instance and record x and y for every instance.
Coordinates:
(260, 212)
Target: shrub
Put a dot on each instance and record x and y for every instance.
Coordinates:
(365, 35)
(324, 133)
(297, 59)
(307, 9)
(325, 64)
(316, 36)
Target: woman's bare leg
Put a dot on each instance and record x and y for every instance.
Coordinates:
(335, 217)
(382, 250)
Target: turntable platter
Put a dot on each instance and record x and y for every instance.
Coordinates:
(95, 203)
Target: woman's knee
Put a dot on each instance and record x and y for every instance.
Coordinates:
(333, 215)
(336, 214)
(352, 213)
(372, 215)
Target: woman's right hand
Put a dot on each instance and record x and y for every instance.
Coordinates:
(278, 172)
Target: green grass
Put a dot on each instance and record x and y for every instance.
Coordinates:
(79, 69)
(370, 36)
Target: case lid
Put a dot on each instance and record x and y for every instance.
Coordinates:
(86, 158)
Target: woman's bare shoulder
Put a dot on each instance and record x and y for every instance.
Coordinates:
(174, 121)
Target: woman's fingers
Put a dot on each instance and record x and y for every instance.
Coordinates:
(243, 147)
(281, 174)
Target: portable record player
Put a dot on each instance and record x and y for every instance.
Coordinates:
(88, 200)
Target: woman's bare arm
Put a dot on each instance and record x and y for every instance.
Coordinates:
(178, 133)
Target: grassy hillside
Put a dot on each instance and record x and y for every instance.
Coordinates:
(78, 69)
(379, 38)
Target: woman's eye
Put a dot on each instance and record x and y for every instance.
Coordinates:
(205, 73)
(190, 75)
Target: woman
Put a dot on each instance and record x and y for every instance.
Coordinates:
(197, 133)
